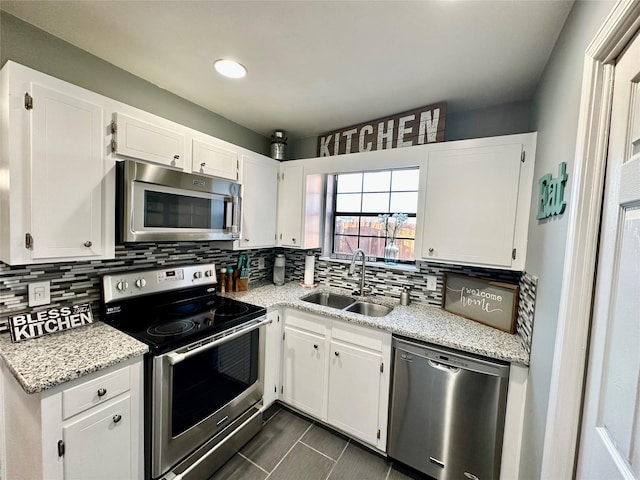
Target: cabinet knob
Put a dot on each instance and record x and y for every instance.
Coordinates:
(88, 243)
(431, 251)
(315, 345)
(293, 240)
(117, 418)
(337, 354)
(247, 240)
(176, 157)
(102, 392)
(203, 164)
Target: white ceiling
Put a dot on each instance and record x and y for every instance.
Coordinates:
(316, 66)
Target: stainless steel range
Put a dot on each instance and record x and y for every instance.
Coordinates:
(203, 374)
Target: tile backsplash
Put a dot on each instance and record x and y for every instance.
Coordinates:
(80, 282)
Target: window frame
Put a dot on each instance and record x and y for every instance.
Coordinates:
(362, 214)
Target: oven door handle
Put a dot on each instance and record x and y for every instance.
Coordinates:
(175, 358)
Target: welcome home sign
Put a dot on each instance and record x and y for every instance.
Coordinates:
(415, 127)
(36, 324)
(492, 303)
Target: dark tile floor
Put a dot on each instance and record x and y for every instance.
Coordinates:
(292, 447)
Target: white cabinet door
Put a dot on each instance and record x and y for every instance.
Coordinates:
(145, 141)
(290, 205)
(259, 202)
(304, 371)
(272, 359)
(354, 391)
(300, 201)
(471, 197)
(67, 176)
(98, 446)
(215, 160)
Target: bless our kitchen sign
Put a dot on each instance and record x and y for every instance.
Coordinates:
(36, 324)
(416, 127)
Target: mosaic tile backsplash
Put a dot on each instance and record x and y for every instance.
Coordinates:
(80, 282)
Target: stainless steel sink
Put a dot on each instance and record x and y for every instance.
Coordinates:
(328, 299)
(348, 304)
(369, 309)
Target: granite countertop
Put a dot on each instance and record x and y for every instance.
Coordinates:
(417, 321)
(45, 362)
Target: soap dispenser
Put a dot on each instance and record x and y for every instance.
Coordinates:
(405, 298)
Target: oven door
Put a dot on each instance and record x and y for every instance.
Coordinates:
(200, 389)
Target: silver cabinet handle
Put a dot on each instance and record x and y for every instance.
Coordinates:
(431, 251)
(88, 243)
(102, 392)
(117, 418)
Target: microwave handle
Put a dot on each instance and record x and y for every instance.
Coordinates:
(175, 358)
(231, 214)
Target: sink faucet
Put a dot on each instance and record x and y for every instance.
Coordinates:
(352, 267)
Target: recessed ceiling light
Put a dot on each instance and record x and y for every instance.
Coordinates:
(229, 68)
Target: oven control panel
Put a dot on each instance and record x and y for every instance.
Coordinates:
(143, 282)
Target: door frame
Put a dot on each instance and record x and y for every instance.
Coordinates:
(564, 412)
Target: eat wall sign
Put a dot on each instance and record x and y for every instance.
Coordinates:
(551, 195)
(415, 127)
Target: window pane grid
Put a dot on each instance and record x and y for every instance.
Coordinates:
(358, 228)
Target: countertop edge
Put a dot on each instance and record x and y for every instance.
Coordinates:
(52, 360)
(407, 321)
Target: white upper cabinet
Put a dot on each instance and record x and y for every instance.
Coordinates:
(58, 194)
(134, 138)
(300, 199)
(259, 201)
(209, 158)
(290, 206)
(476, 205)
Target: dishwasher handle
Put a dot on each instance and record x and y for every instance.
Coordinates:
(442, 366)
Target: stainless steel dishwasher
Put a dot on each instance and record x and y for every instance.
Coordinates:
(447, 411)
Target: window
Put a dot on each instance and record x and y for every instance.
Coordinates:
(358, 201)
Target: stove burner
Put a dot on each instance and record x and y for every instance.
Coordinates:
(230, 310)
(176, 327)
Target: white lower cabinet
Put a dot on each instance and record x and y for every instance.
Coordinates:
(272, 359)
(304, 363)
(339, 373)
(108, 427)
(354, 391)
(88, 428)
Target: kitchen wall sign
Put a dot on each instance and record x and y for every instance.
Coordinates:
(415, 127)
(36, 324)
(551, 198)
(492, 303)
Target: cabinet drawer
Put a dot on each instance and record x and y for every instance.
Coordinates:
(94, 392)
(356, 335)
(306, 322)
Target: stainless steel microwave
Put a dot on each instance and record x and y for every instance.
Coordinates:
(156, 204)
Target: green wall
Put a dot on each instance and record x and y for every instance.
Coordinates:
(25, 44)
